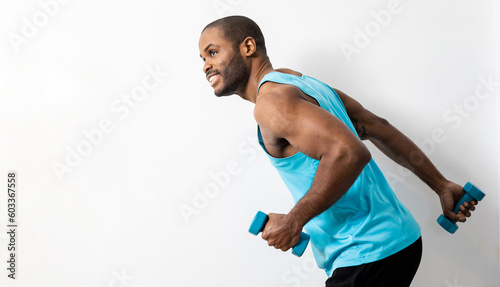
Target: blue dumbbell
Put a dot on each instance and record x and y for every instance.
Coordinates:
(259, 222)
(471, 193)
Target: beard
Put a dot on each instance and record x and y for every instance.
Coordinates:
(233, 76)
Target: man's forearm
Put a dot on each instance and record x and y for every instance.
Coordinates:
(392, 142)
(333, 178)
(405, 152)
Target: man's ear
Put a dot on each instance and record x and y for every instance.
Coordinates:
(248, 47)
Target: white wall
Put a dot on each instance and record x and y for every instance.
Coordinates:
(112, 217)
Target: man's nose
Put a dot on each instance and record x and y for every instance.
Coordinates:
(207, 66)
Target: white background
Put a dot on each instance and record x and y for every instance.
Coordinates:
(113, 218)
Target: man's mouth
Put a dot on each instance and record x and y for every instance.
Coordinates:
(213, 79)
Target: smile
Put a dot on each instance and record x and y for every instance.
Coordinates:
(213, 79)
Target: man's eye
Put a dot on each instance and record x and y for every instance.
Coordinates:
(213, 53)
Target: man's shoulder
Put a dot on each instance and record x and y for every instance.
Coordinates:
(275, 91)
(276, 98)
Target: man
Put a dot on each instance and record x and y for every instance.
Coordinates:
(361, 234)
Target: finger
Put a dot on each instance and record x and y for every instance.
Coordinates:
(459, 217)
(285, 248)
(280, 247)
(268, 231)
(271, 243)
(274, 243)
(474, 202)
(265, 235)
(452, 215)
(465, 210)
(470, 206)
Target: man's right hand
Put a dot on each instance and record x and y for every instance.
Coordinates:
(449, 195)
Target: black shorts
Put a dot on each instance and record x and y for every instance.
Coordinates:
(396, 270)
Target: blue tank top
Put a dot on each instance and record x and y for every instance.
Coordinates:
(368, 222)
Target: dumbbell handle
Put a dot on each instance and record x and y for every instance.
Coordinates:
(471, 193)
(465, 198)
(259, 222)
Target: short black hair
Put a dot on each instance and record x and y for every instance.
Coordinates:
(236, 28)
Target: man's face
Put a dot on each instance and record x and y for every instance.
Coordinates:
(224, 66)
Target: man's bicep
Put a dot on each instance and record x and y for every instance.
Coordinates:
(310, 129)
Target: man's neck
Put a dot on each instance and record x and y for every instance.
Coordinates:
(256, 75)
